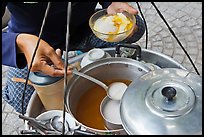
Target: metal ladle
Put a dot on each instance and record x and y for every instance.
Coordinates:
(57, 124)
(114, 91)
(42, 127)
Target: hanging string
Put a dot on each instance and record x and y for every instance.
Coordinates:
(172, 32)
(144, 23)
(39, 37)
(66, 61)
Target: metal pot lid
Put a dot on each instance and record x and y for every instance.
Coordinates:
(164, 101)
(41, 79)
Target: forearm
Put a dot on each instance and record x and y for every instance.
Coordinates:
(23, 40)
(26, 44)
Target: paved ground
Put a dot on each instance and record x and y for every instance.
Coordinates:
(185, 18)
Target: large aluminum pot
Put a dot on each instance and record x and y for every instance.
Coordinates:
(104, 69)
(163, 102)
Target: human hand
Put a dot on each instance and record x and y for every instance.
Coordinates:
(47, 60)
(117, 7)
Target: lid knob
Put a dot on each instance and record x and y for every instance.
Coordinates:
(168, 92)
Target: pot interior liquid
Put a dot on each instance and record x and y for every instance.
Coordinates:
(88, 107)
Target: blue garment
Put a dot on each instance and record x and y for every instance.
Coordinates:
(27, 18)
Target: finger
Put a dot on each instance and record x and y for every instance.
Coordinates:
(56, 60)
(69, 68)
(51, 71)
(128, 8)
(111, 11)
(58, 52)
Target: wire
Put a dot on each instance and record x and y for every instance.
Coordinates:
(172, 32)
(66, 60)
(39, 37)
(144, 23)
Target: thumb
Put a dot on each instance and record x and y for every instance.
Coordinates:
(116, 7)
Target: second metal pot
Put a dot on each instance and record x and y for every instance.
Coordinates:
(105, 69)
(110, 111)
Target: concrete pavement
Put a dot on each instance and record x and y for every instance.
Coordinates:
(185, 18)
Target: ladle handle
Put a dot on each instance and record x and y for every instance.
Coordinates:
(91, 79)
(21, 80)
(29, 118)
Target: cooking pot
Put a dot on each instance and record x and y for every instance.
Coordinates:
(110, 111)
(165, 101)
(104, 69)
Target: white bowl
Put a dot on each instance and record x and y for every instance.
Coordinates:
(51, 113)
(93, 55)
